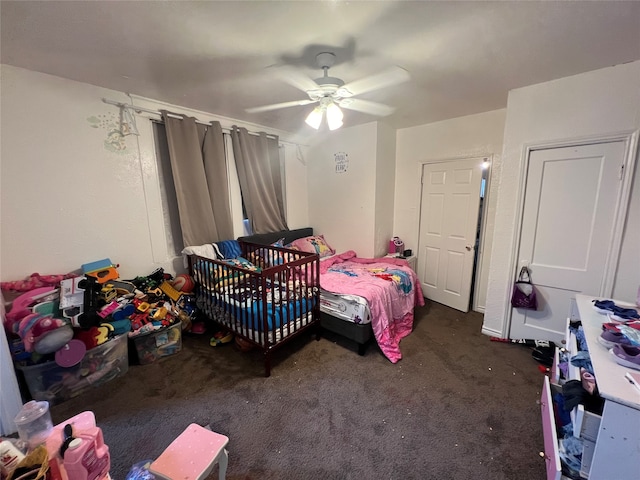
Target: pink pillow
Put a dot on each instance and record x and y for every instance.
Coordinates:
(314, 244)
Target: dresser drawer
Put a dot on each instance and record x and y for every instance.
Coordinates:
(550, 434)
(572, 350)
(585, 424)
(555, 368)
(587, 456)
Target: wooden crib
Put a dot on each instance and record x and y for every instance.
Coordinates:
(267, 296)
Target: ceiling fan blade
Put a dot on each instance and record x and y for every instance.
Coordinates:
(275, 106)
(365, 106)
(391, 76)
(296, 79)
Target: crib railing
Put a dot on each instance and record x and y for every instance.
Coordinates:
(266, 301)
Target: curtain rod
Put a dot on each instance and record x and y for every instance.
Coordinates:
(175, 115)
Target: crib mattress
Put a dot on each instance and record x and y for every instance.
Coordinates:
(350, 308)
(245, 304)
(278, 334)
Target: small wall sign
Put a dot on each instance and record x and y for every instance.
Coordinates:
(342, 162)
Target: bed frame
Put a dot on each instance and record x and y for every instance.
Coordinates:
(239, 299)
(361, 334)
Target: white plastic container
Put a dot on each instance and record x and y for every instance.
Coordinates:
(10, 457)
(34, 423)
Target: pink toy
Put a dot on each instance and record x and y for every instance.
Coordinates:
(108, 309)
(20, 306)
(71, 354)
(81, 424)
(192, 455)
(87, 457)
(43, 333)
(35, 281)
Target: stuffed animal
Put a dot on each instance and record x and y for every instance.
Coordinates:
(43, 333)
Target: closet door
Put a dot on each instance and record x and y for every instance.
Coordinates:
(570, 204)
(448, 225)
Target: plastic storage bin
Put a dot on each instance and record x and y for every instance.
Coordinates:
(53, 383)
(151, 346)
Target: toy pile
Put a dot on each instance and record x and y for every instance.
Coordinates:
(77, 320)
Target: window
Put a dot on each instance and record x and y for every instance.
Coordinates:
(170, 213)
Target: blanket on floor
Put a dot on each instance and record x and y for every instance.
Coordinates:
(391, 288)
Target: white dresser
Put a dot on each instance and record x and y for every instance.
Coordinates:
(611, 441)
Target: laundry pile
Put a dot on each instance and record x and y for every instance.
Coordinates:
(69, 332)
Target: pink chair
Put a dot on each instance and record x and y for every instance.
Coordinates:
(192, 455)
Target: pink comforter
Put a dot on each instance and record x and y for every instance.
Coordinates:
(391, 288)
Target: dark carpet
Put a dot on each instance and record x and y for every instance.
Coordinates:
(457, 406)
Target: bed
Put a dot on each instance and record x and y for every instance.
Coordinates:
(266, 295)
(361, 299)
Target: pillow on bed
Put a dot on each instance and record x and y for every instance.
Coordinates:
(313, 244)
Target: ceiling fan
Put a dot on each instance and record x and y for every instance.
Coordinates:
(331, 93)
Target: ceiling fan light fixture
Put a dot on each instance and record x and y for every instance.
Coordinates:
(334, 125)
(332, 93)
(334, 116)
(314, 119)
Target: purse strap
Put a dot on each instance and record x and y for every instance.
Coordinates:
(521, 277)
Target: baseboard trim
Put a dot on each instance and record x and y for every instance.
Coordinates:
(491, 333)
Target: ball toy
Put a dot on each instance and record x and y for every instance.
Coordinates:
(183, 283)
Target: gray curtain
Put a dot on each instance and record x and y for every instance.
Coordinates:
(200, 177)
(258, 164)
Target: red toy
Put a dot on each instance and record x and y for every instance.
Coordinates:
(183, 283)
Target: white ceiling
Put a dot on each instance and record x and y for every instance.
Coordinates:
(463, 57)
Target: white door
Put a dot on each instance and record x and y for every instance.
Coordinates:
(448, 225)
(570, 203)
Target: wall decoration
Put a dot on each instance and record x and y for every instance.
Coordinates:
(115, 141)
(342, 161)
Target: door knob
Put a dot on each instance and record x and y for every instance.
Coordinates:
(469, 248)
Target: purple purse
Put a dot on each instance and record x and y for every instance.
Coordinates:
(524, 293)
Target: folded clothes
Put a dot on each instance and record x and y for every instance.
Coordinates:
(609, 307)
(624, 314)
(633, 334)
(615, 326)
(570, 452)
(573, 394)
(605, 305)
(582, 359)
(563, 416)
(580, 338)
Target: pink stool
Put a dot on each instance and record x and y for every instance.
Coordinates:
(192, 455)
